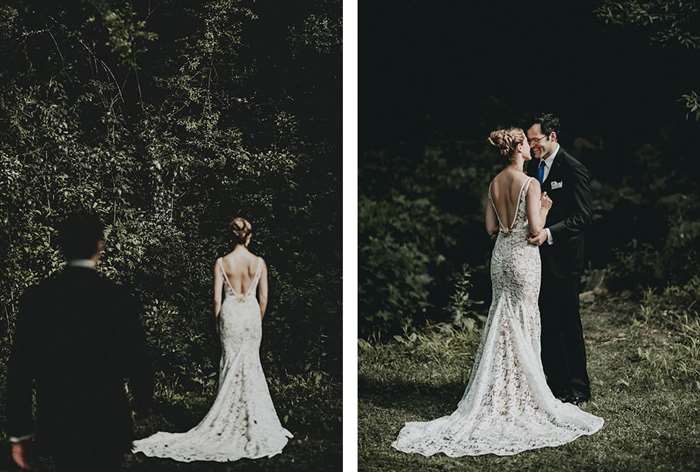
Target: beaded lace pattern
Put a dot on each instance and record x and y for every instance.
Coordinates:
(507, 406)
(242, 422)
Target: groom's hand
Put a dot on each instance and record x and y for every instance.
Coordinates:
(20, 454)
(538, 239)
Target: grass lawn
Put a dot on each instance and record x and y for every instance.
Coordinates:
(316, 446)
(644, 382)
(299, 455)
(302, 453)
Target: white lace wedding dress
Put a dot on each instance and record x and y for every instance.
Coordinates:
(242, 422)
(507, 406)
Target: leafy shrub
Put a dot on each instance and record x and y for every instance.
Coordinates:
(673, 258)
(419, 222)
(635, 267)
(397, 244)
(673, 309)
(462, 305)
(166, 129)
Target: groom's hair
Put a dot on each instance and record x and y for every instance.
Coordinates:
(548, 122)
(78, 235)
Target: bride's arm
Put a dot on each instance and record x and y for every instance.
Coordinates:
(262, 290)
(536, 211)
(218, 287)
(490, 219)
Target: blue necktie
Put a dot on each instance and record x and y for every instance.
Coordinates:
(540, 171)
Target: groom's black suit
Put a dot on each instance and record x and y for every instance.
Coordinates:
(78, 336)
(563, 348)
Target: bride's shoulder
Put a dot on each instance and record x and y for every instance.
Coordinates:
(258, 259)
(524, 179)
(530, 186)
(253, 258)
(496, 180)
(500, 181)
(257, 264)
(498, 177)
(218, 264)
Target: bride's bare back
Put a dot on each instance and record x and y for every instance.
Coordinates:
(240, 267)
(505, 192)
(238, 270)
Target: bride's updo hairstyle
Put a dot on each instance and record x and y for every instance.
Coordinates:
(506, 140)
(241, 229)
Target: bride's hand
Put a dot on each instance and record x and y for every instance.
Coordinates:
(546, 202)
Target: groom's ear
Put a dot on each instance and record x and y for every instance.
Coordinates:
(553, 136)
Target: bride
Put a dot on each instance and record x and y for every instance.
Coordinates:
(507, 406)
(242, 422)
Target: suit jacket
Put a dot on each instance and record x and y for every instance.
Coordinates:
(78, 337)
(568, 185)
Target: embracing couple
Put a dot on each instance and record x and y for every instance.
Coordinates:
(529, 377)
(79, 336)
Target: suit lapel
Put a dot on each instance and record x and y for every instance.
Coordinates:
(555, 167)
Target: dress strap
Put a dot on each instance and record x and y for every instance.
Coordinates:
(221, 264)
(256, 277)
(517, 204)
(493, 205)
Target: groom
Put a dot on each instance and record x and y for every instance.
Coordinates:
(78, 335)
(566, 181)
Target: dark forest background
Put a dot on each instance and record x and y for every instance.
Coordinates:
(435, 78)
(168, 118)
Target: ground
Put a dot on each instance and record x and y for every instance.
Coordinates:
(308, 451)
(642, 387)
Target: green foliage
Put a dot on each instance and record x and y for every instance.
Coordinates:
(691, 101)
(402, 239)
(411, 214)
(667, 23)
(462, 305)
(394, 274)
(674, 311)
(645, 230)
(312, 403)
(666, 306)
(671, 259)
(427, 356)
(167, 122)
(635, 267)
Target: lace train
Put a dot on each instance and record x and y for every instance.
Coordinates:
(507, 406)
(242, 422)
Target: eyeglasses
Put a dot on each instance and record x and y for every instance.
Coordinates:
(536, 140)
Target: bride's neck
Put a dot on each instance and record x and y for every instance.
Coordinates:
(518, 163)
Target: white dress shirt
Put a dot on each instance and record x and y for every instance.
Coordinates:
(547, 167)
(89, 263)
(548, 163)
